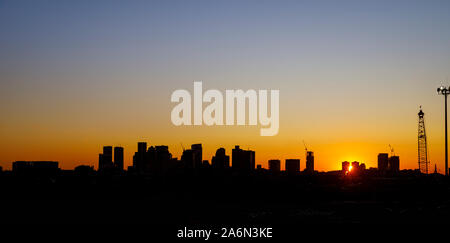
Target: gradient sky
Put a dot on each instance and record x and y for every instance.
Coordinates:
(77, 75)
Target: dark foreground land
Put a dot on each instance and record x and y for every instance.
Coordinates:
(224, 199)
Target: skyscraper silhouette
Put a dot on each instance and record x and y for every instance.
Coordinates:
(107, 155)
(355, 168)
(394, 164)
(309, 162)
(100, 162)
(198, 155)
(142, 147)
(105, 159)
(345, 166)
(383, 161)
(243, 160)
(220, 160)
(118, 158)
(161, 160)
(188, 159)
(139, 158)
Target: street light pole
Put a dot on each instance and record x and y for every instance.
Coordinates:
(446, 138)
(445, 91)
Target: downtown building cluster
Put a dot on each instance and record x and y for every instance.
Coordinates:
(158, 160)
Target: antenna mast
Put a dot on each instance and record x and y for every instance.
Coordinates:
(422, 144)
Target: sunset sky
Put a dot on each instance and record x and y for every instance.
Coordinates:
(77, 75)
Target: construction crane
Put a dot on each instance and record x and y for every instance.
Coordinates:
(309, 160)
(306, 149)
(391, 149)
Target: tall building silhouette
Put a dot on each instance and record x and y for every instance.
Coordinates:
(139, 158)
(292, 166)
(188, 159)
(105, 160)
(142, 147)
(383, 162)
(355, 167)
(345, 166)
(220, 160)
(274, 165)
(198, 157)
(118, 158)
(155, 160)
(193, 158)
(160, 159)
(243, 160)
(107, 155)
(394, 164)
(309, 162)
(100, 162)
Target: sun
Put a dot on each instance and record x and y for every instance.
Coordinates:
(350, 168)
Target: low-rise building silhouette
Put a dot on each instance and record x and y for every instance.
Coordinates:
(41, 168)
(274, 165)
(292, 166)
(205, 164)
(84, 170)
(362, 167)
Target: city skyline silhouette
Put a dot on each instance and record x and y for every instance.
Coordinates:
(126, 161)
(108, 158)
(351, 76)
(158, 160)
(168, 192)
(225, 120)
